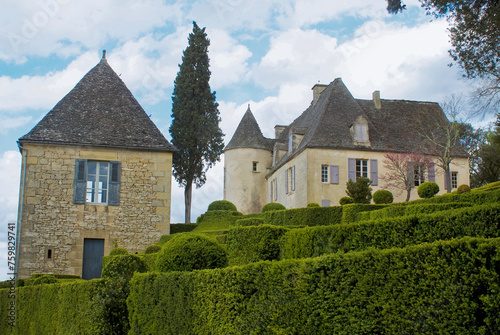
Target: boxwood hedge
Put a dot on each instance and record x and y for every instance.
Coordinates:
(447, 287)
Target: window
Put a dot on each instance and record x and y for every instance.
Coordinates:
(454, 180)
(361, 133)
(418, 174)
(290, 143)
(255, 166)
(49, 254)
(361, 168)
(97, 182)
(324, 173)
(292, 174)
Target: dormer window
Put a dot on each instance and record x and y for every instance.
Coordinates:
(290, 143)
(359, 131)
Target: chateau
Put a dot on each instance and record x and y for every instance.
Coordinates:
(95, 172)
(335, 139)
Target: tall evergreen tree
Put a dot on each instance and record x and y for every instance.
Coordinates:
(195, 127)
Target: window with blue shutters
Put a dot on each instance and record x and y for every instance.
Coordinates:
(97, 182)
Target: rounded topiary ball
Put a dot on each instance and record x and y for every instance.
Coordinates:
(123, 266)
(346, 200)
(221, 205)
(427, 190)
(118, 251)
(463, 189)
(152, 249)
(273, 206)
(45, 279)
(312, 205)
(187, 252)
(383, 197)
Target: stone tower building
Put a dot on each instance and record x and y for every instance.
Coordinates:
(95, 171)
(248, 158)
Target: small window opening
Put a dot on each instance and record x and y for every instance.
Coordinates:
(255, 167)
(49, 254)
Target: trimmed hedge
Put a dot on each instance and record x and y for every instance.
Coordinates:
(448, 287)
(350, 212)
(479, 221)
(221, 205)
(216, 221)
(477, 196)
(273, 206)
(176, 228)
(427, 189)
(311, 216)
(251, 244)
(410, 209)
(65, 308)
(249, 222)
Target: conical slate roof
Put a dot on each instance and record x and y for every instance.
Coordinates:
(249, 135)
(99, 111)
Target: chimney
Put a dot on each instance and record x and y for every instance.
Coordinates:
(317, 89)
(376, 99)
(278, 130)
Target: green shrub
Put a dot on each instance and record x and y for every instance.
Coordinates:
(164, 239)
(217, 221)
(123, 266)
(448, 287)
(118, 251)
(463, 189)
(182, 227)
(352, 212)
(312, 205)
(413, 208)
(346, 200)
(187, 252)
(152, 249)
(383, 197)
(313, 216)
(251, 244)
(428, 190)
(272, 206)
(44, 279)
(359, 190)
(249, 222)
(221, 205)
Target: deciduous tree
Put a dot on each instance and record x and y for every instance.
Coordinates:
(195, 127)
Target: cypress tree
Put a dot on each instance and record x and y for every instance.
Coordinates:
(195, 127)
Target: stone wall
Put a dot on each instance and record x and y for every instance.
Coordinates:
(50, 219)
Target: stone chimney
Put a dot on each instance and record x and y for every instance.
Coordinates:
(317, 89)
(278, 130)
(376, 99)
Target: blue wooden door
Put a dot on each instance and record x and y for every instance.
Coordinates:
(93, 250)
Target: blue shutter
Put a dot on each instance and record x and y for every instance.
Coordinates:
(334, 174)
(351, 167)
(79, 193)
(374, 171)
(431, 173)
(286, 181)
(114, 184)
(410, 174)
(293, 178)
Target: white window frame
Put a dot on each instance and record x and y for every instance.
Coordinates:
(255, 166)
(454, 179)
(361, 168)
(324, 173)
(96, 190)
(419, 175)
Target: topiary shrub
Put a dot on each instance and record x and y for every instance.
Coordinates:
(187, 252)
(118, 251)
(359, 190)
(383, 197)
(123, 266)
(273, 206)
(427, 190)
(152, 249)
(346, 201)
(45, 279)
(312, 205)
(463, 189)
(221, 205)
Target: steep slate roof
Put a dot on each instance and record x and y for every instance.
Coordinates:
(99, 111)
(249, 135)
(397, 126)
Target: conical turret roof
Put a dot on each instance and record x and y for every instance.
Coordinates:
(249, 135)
(99, 111)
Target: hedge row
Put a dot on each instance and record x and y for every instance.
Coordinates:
(479, 221)
(66, 308)
(216, 220)
(182, 227)
(485, 195)
(252, 244)
(448, 287)
(410, 209)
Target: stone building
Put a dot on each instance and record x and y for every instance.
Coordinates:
(95, 171)
(335, 139)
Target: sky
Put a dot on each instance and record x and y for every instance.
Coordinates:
(266, 53)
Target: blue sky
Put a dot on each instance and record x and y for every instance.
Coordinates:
(266, 53)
